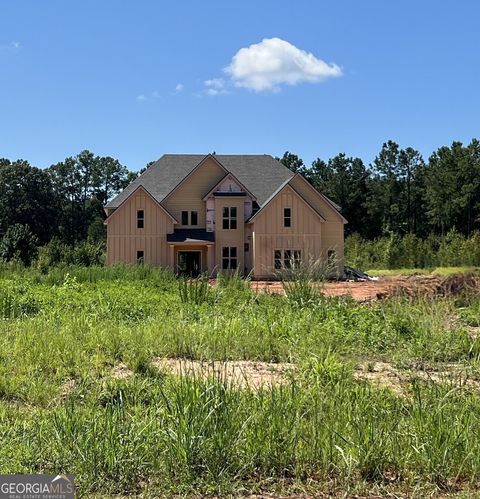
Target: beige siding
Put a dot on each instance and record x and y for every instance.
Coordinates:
(332, 228)
(315, 199)
(124, 239)
(231, 238)
(305, 234)
(188, 196)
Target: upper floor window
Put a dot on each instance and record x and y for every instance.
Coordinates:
(229, 257)
(229, 217)
(287, 217)
(140, 219)
(193, 217)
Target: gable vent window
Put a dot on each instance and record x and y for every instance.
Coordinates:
(193, 218)
(184, 217)
(287, 217)
(229, 258)
(229, 217)
(140, 219)
(140, 256)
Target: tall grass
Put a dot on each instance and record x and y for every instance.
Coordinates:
(63, 410)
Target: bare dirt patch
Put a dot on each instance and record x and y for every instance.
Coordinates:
(241, 373)
(67, 387)
(411, 286)
(361, 291)
(386, 375)
(121, 371)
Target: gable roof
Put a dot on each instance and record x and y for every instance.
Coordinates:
(280, 189)
(140, 188)
(261, 175)
(220, 182)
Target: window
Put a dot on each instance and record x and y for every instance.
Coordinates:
(140, 256)
(297, 258)
(193, 218)
(229, 257)
(278, 259)
(287, 217)
(287, 259)
(140, 219)
(184, 217)
(332, 257)
(229, 217)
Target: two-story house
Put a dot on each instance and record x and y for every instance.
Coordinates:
(197, 213)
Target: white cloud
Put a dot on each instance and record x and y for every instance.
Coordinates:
(272, 62)
(179, 87)
(215, 86)
(141, 98)
(15, 45)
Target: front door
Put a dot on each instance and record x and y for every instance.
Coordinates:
(189, 263)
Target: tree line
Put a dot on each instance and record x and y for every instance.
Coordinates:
(62, 203)
(400, 192)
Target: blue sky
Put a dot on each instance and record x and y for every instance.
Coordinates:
(127, 79)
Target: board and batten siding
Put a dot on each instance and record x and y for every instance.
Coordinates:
(269, 233)
(229, 237)
(333, 227)
(188, 196)
(124, 239)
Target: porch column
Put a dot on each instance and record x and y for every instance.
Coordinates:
(210, 259)
(172, 257)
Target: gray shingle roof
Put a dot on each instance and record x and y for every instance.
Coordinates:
(260, 174)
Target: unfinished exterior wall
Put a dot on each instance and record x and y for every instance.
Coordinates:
(124, 239)
(188, 196)
(270, 234)
(332, 228)
(229, 237)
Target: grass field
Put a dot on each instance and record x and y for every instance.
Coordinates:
(439, 271)
(83, 390)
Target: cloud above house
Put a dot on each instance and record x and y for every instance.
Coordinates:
(215, 86)
(274, 62)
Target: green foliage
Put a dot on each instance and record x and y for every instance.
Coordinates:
(194, 291)
(84, 253)
(16, 301)
(18, 243)
(80, 390)
(410, 251)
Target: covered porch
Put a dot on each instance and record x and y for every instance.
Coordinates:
(192, 251)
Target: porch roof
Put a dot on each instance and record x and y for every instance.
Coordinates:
(191, 236)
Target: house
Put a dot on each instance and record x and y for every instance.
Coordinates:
(197, 213)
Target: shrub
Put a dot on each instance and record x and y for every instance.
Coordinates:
(19, 243)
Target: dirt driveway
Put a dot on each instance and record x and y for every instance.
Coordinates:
(411, 286)
(361, 291)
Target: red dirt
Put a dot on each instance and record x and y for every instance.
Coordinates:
(361, 291)
(411, 286)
